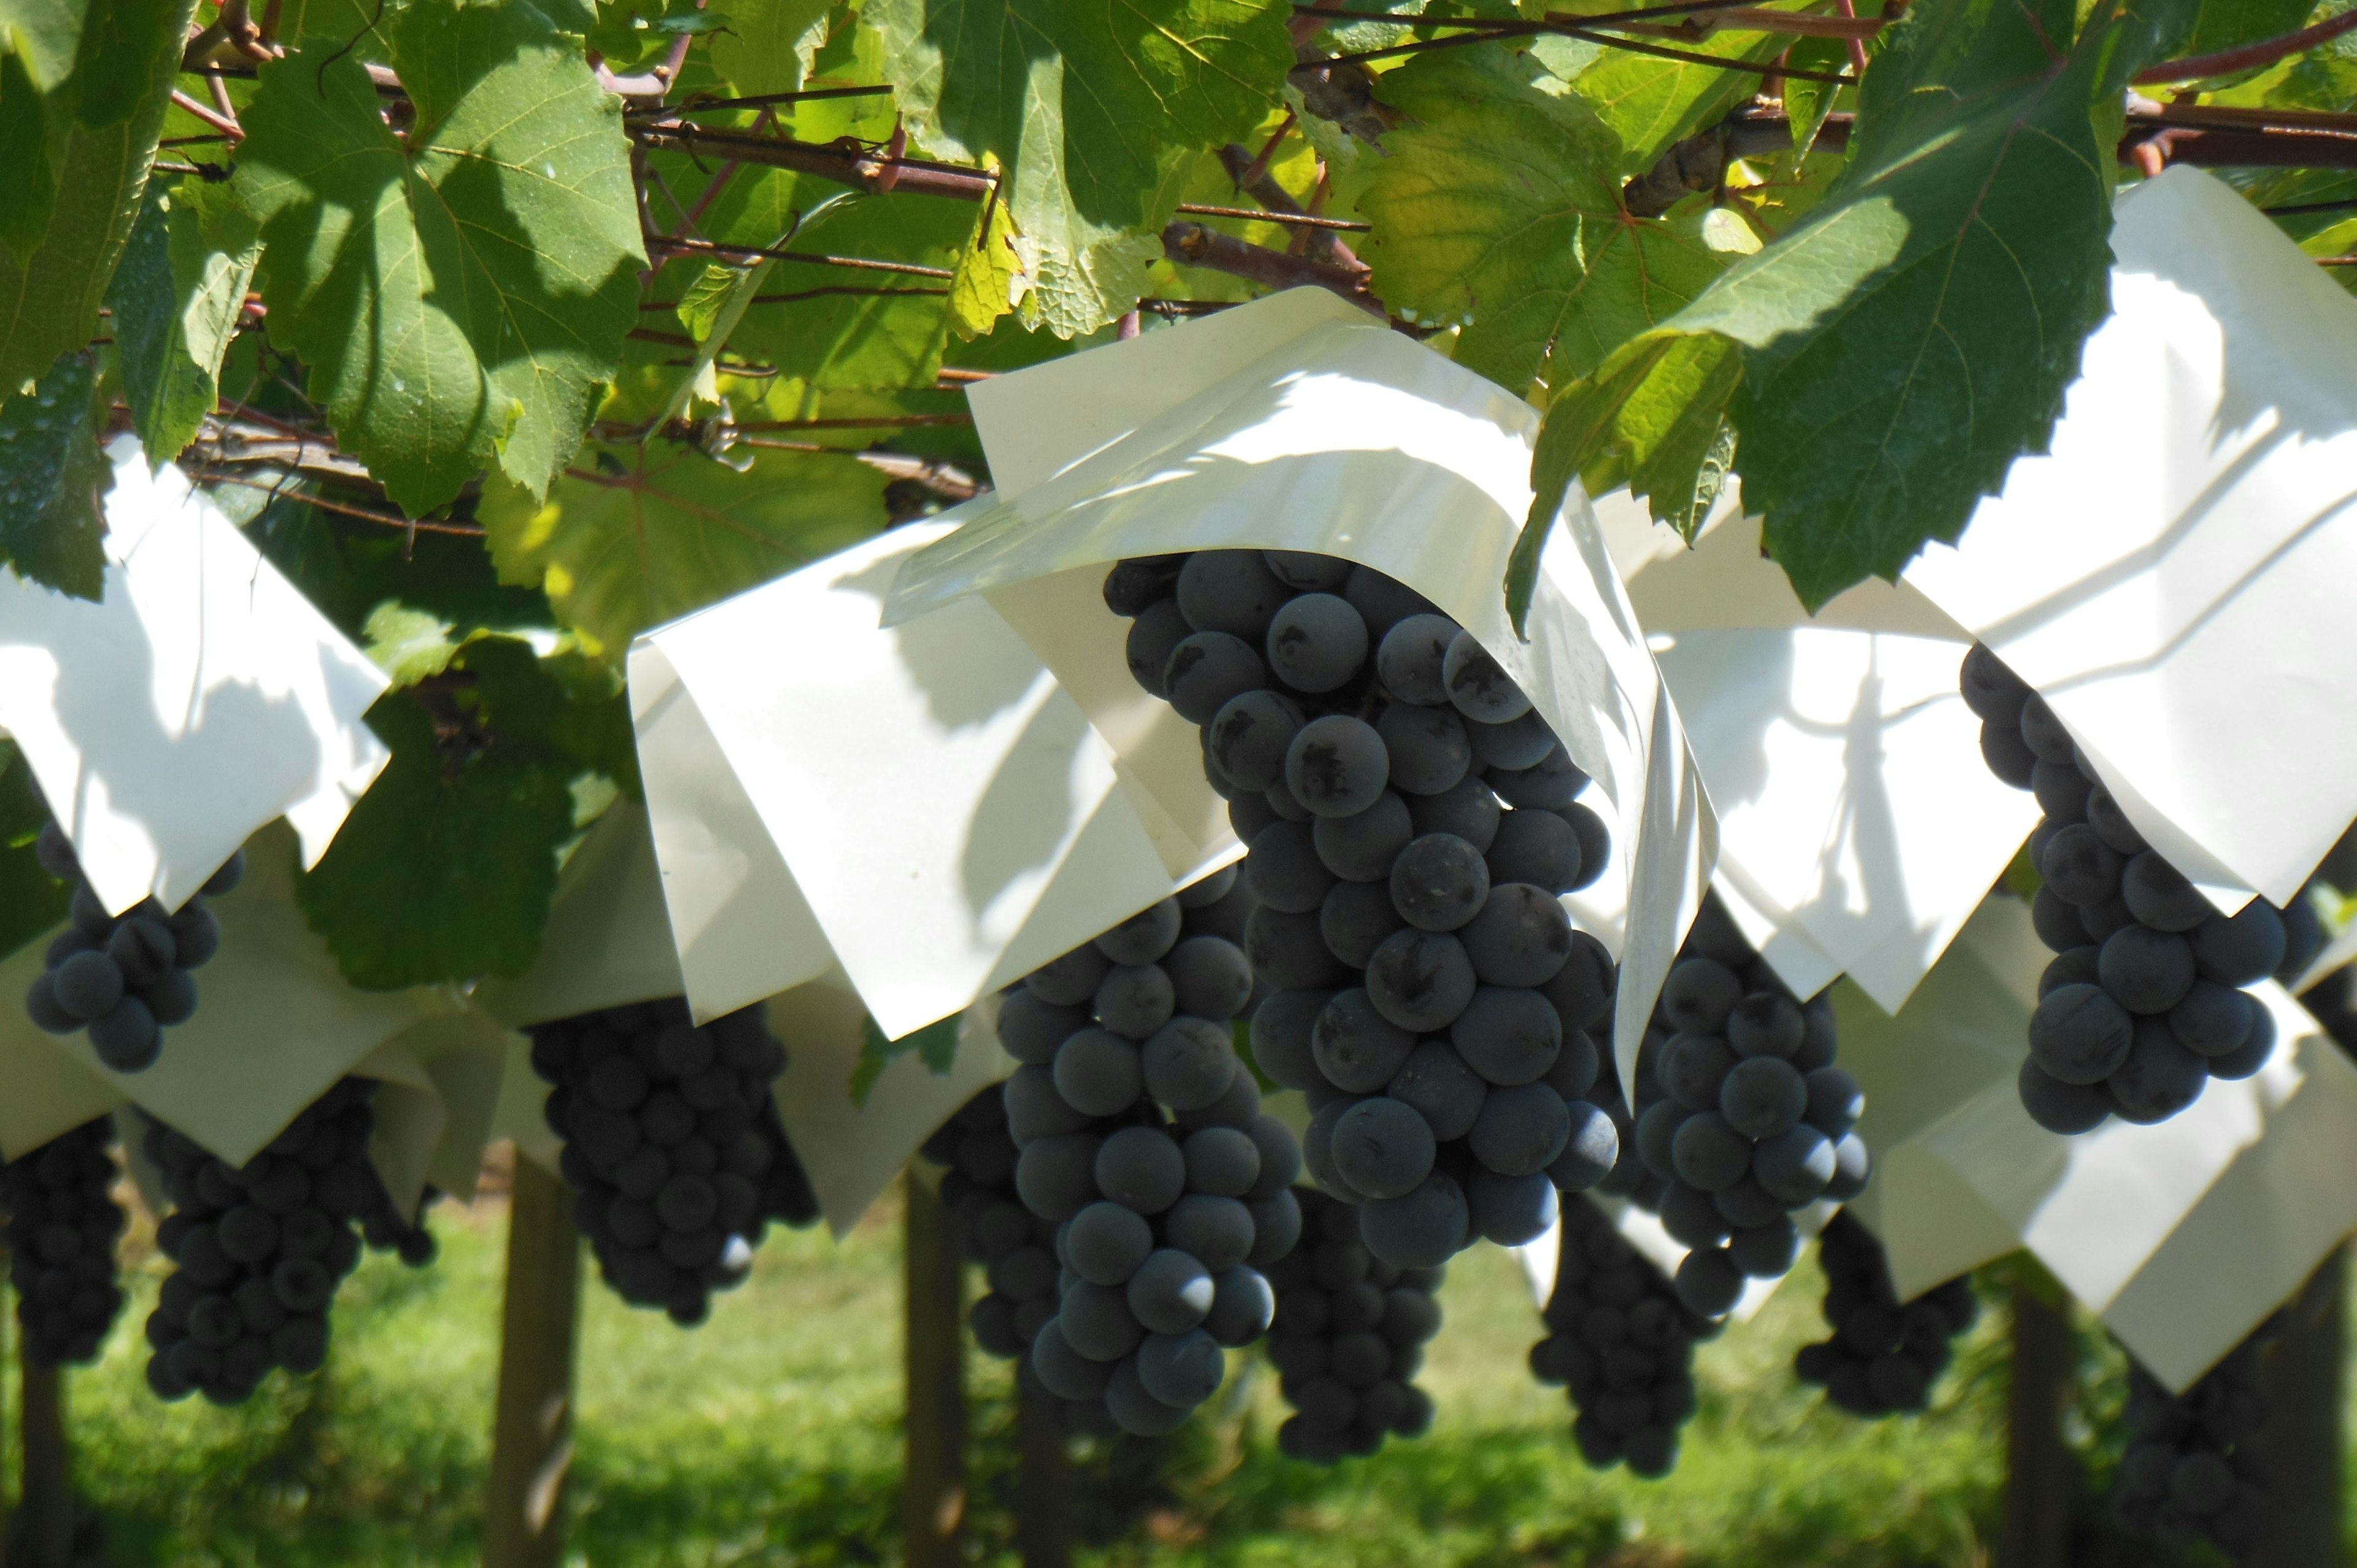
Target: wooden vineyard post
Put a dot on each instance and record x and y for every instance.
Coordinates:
(932, 1499)
(1043, 1483)
(45, 1517)
(531, 1430)
(2304, 1376)
(2042, 1479)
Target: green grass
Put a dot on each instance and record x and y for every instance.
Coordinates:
(770, 1437)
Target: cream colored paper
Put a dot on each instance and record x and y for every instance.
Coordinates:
(1852, 804)
(851, 1153)
(275, 1024)
(43, 1092)
(608, 942)
(202, 698)
(520, 1115)
(1855, 832)
(921, 808)
(2175, 577)
(2180, 1237)
(1296, 422)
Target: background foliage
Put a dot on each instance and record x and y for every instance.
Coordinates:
(510, 328)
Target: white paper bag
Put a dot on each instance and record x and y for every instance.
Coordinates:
(2180, 1237)
(1857, 830)
(921, 808)
(276, 1024)
(203, 697)
(1296, 422)
(2175, 579)
(608, 943)
(851, 1153)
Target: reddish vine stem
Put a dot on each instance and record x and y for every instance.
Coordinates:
(2192, 67)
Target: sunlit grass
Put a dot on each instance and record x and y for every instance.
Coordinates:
(770, 1437)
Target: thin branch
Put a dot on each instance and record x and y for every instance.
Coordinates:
(1299, 220)
(1197, 246)
(1690, 57)
(2192, 67)
(390, 520)
(742, 253)
(880, 422)
(702, 104)
(210, 116)
(800, 295)
(848, 165)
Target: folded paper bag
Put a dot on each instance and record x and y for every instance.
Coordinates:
(201, 698)
(1297, 423)
(276, 1024)
(2173, 576)
(1856, 834)
(921, 809)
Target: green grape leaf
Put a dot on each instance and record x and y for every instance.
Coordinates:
(52, 476)
(2229, 23)
(833, 328)
(935, 1045)
(176, 296)
(78, 148)
(445, 867)
(769, 45)
(1650, 102)
(1500, 207)
(635, 536)
(1806, 103)
(1082, 104)
(1652, 418)
(1916, 334)
(31, 900)
(983, 290)
(460, 297)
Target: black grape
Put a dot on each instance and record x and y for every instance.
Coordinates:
(1477, 686)
(1361, 847)
(2190, 1472)
(1884, 1356)
(1355, 919)
(1409, 661)
(1467, 810)
(673, 1147)
(1153, 636)
(1382, 601)
(1548, 785)
(1509, 1035)
(123, 978)
(1337, 766)
(1348, 1339)
(1305, 572)
(1535, 847)
(1427, 748)
(1620, 1343)
(1248, 737)
(1421, 980)
(1518, 742)
(1521, 936)
(1383, 1147)
(1230, 591)
(262, 1247)
(1316, 642)
(63, 1223)
(1438, 882)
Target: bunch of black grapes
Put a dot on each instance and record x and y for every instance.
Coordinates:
(262, 1246)
(672, 1146)
(1621, 1343)
(1412, 824)
(2190, 1473)
(2142, 1005)
(1884, 1354)
(1015, 1248)
(63, 1223)
(123, 978)
(1753, 1120)
(1349, 1339)
(1142, 1142)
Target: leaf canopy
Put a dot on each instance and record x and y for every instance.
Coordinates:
(460, 297)
(1500, 207)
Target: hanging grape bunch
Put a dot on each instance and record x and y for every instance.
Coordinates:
(1883, 1355)
(2143, 1003)
(1349, 1339)
(260, 1248)
(672, 1146)
(1622, 1343)
(63, 1223)
(1412, 823)
(1143, 1141)
(2190, 1473)
(1753, 1121)
(123, 978)
(1015, 1247)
